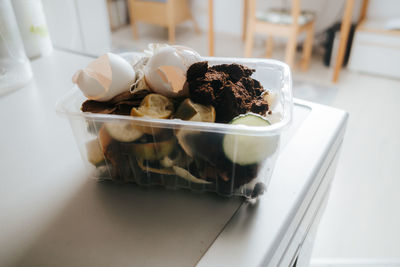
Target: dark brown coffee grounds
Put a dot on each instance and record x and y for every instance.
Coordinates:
(227, 87)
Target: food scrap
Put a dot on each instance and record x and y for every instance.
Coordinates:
(227, 87)
(173, 82)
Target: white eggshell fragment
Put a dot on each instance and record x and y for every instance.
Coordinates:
(272, 99)
(165, 72)
(153, 48)
(105, 77)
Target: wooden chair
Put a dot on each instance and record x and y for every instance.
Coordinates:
(282, 23)
(165, 13)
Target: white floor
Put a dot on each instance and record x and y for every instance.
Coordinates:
(361, 226)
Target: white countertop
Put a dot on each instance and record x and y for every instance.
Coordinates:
(53, 215)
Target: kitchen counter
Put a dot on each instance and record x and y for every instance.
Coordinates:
(52, 214)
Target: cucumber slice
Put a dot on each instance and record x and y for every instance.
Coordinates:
(245, 149)
(250, 119)
(123, 131)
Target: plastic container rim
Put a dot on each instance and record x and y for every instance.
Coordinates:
(273, 129)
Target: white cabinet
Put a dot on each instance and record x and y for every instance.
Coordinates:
(376, 50)
(80, 26)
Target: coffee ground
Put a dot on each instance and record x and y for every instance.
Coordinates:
(227, 87)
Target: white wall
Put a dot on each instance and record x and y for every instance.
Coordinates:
(383, 9)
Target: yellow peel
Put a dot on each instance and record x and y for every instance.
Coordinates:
(191, 111)
(167, 162)
(181, 137)
(154, 106)
(94, 152)
(153, 151)
(123, 131)
(167, 171)
(188, 176)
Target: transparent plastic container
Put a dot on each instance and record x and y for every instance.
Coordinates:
(208, 162)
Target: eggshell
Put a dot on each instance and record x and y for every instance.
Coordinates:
(165, 72)
(105, 77)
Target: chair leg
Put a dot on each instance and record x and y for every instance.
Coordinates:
(269, 46)
(134, 29)
(170, 9)
(307, 48)
(133, 23)
(245, 18)
(248, 49)
(251, 24)
(171, 33)
(291, 48)
(110, 15)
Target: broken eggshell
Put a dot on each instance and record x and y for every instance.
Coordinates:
(152, 48)
(140, 82)
(105, 77)
(165, 72)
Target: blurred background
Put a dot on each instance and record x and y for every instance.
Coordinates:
(361, 224)
(94, 26)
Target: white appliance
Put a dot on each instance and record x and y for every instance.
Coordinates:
(53, 215)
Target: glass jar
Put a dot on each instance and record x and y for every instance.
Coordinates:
(15, 69)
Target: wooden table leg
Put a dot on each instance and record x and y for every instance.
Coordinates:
(211, 28)
(344, 35)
